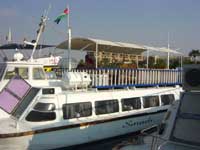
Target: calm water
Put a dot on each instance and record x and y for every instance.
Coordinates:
(109, 144)
(101, 145)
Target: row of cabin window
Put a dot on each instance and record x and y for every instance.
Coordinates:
(45, 111)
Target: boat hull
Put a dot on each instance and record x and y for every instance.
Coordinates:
(76, 134)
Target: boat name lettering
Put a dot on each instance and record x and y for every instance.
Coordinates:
(131, 123)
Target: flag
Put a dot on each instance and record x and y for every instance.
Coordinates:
(62, 15)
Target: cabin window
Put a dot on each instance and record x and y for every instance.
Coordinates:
(45, 107)
(106, 107)
(131, 103)
(21, 71)
(38, 74)
(42, 112)
(10, 72)
(77, 110)
(37, 116)
(48, 91)
(167, 99)
(150, 101)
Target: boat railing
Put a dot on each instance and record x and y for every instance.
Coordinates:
(122, 78)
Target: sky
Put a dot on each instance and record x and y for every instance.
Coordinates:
(145, 22)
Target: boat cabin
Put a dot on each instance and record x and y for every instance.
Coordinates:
(30, 71)
(49, 104)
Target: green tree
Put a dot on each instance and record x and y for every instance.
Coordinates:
(174, 63)
(81, 64)
(104, 63)
(142, 64)
(161, 64)
(151, 62)
(194, 53)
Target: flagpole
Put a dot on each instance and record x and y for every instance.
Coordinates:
(68, 24)
(69, 40)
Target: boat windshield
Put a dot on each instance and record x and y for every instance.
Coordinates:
(17, 93)
(38, 74)
(51, 75)
(2, 70)
(13, 93)
(12, 71)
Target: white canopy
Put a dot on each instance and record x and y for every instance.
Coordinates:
(96, 45)
(162, 49)
(89, 44)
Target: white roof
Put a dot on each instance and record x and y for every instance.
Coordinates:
(162, 49)
(130, 45)
(89, 44)
(102, 42)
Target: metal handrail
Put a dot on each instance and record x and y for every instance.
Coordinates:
(122, 78)
(111, 78)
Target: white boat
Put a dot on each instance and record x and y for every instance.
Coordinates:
(50, 117)
(41, 113)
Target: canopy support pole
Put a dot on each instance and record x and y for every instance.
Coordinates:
(137, 60)
(181, 61)
(168, 46)
(96, 53)
(147, 59)
(167, 60)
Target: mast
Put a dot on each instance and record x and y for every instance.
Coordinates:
(42, 25)
(41, 29)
